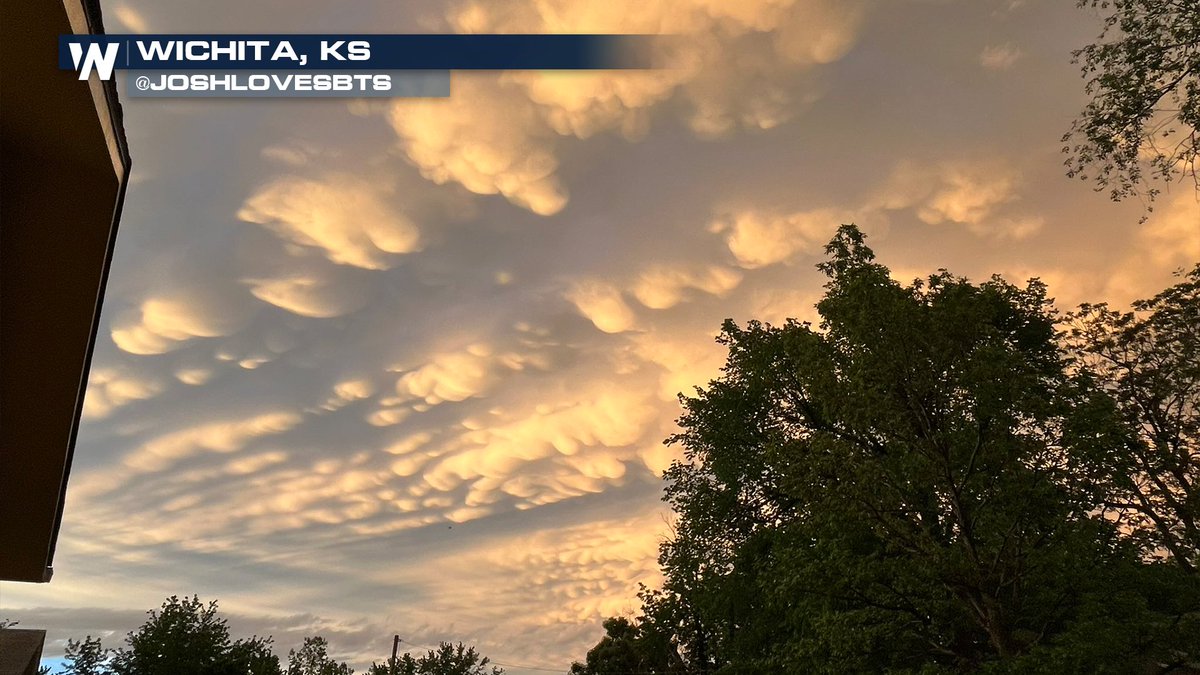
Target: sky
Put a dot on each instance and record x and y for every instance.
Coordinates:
(406, 367)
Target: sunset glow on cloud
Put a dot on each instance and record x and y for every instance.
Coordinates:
(407, 367)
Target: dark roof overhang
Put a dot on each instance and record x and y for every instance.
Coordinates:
(65, 166)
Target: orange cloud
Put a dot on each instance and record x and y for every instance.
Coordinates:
(349, 219)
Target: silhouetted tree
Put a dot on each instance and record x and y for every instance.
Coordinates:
(631, 647)
(1143, 75)
(1149, 361)
(918, 485)
(313, 659)
(86, 658)
(186, 637)
(253, 656)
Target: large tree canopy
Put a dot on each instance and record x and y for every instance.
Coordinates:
(1143, 76)
(921, 483)
(632, 647)
(187, 637)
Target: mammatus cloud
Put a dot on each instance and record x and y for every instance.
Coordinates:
(568, 577)
(658, 286)
(170, 448)
(456, 376)
(206, 478)
(499, 134)
(774, 39)
(308, 295)
(497, 149)
(664, 286)
(351, 220)
(254, 463)
(964, 196)
(193, 376)
(759, 238)
(540, 455)
(684, 360)
(164, 323)
(977, 195)
(109, 389)
(344, 393)
(577, 574)
(219, 437)
(602, 303)
(441, 441)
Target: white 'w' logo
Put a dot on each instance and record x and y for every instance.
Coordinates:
(100, 57)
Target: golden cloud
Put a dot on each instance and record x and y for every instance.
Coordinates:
(484, 139)
(307, 295)
(1169, 240)
(165, 323)
(109, 389)
(586, 442)
(602, 304)
(970, 193)
(663, 286)
(454, 376)
(346, 217)
(498, 134)
(220, 437)
(758, 238)
(568, 575)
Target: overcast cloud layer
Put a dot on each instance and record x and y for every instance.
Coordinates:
(407, 367)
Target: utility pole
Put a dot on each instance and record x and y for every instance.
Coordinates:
(395, 647)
